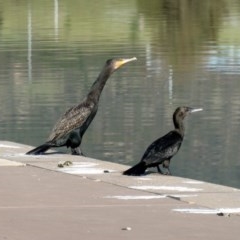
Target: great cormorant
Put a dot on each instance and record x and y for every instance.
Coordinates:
(71, 127)
(163, 149)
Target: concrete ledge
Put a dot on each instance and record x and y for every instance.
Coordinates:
(4, 162)
(92, 199)
(188, 190)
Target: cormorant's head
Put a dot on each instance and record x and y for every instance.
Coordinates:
(116, 63)
(182, 112)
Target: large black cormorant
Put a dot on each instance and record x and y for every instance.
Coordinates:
(71, 127)
(163, 149)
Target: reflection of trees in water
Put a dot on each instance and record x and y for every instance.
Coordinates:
(186, 24)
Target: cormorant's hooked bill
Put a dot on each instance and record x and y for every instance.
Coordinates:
(192, 110)
(163, 149)
(119, 62)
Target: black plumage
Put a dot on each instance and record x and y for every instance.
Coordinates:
(70, 128)
(163, 149)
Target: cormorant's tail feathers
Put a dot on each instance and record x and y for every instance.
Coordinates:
(136, 170)
(39, 150)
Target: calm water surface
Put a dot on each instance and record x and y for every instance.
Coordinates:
(188, 54)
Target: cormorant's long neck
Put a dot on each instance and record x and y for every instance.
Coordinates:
(99, 84)
(178, 124)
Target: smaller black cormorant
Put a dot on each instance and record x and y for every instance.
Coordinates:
(163, 149)
(71, 127)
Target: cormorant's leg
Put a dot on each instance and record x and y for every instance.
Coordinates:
(159, 170)
(168, 172)
(166, 165)
(77, 151)
(74, 141)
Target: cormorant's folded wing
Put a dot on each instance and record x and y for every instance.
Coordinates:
(163, 148)
(72, 119)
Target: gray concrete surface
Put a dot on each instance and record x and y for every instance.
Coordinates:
(91, 199)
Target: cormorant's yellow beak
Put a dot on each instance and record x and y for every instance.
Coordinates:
(123, 61)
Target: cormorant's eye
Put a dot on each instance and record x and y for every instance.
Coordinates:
(109, 61)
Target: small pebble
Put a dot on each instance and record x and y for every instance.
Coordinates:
(127, 228)
(223, 215)
(63, 164)
(67, 163)
(60, 165)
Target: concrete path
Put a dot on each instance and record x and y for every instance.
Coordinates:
(90, 199)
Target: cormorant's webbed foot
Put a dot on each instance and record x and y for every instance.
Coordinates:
(168, 172)
(77, 151)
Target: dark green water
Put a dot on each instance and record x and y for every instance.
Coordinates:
(188, 54)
